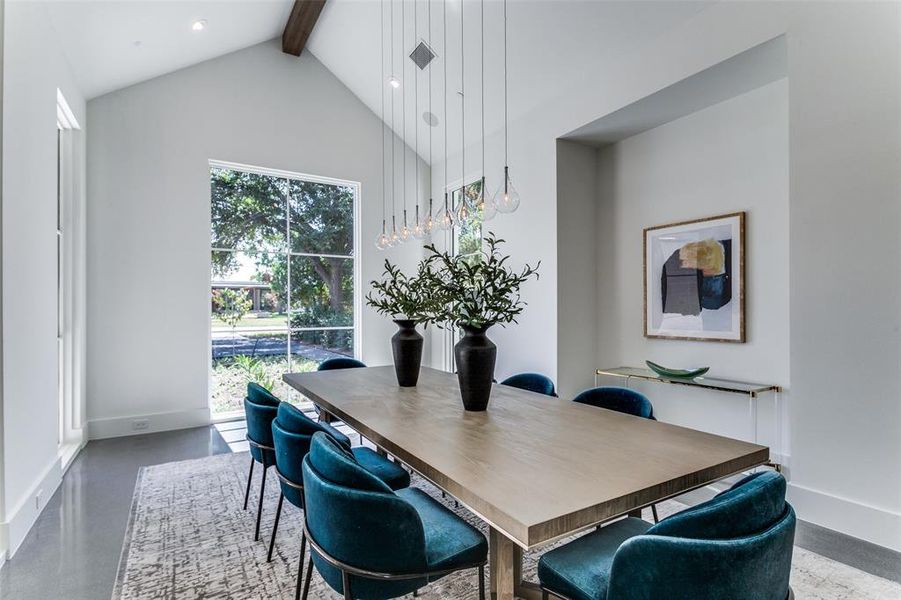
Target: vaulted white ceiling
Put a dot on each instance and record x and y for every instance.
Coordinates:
(550, 45)
(111, 44)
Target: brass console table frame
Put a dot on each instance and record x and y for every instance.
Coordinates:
(751, 390)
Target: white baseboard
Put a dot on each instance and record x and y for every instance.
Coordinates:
(870, 523)
(121, 426)
(26, 512)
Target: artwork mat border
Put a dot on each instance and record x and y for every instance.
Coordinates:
(741, 339)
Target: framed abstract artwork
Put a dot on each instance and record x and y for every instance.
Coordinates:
(694, 278)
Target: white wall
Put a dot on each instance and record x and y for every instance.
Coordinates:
(844, 151)
(149, 216)
(34, 68)
(727, 158)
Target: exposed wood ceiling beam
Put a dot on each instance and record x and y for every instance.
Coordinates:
(300, 25)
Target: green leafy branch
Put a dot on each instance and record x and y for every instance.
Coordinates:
(474, 293)
(401, 297)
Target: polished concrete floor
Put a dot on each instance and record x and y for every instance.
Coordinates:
(73, 550)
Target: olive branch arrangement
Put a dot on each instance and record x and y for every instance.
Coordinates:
(401, 297)
(455, 291)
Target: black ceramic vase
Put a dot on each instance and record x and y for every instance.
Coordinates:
(475, 355)
(407, 347)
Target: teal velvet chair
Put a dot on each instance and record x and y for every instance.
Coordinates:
(260, 409)
(737, 546)
(368, 541)
(531, 382)
(292, 433)
(339, 362)
(621, 400)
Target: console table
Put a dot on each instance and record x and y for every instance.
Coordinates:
(751, 390)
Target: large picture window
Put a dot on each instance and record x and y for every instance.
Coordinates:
(282, 278)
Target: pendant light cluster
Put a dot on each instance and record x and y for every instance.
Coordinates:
(483, 207)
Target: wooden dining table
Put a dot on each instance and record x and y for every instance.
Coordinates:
(535, 468)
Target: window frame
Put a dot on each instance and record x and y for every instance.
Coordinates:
(355, 257)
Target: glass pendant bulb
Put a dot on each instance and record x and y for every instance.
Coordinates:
(382, 241)
(463, 213)
(393, 237)
(484, 205)
(418, 229)
(506, 200)
(405, 232)
(445, 220)
(428, 224)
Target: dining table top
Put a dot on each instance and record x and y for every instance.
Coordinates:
(534, 467)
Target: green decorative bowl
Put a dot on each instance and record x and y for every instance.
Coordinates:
(676, 373)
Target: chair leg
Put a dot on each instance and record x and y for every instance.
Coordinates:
(303, 546)
(345, 583)
(654, 512)
(256, 533)
(249, 477)
(306, 583)
(482, 583)
(544, 595)
(416, 593)
(278, 514)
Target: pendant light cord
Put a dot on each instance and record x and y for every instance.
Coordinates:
(431, 116)
(403, 109)
(445, 104)
(482, 189)
(416, 109)
(382, 94)
(462, 108)
(393, 133)
(505, 84)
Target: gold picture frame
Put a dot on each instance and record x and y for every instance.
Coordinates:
(710, 259)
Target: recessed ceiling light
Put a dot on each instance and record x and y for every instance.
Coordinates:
(199, 25)
(394, 82)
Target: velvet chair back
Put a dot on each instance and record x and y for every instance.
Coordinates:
(259, 429)
(290, 448)
(619, 399)
(292, 433)
(340, 362)
(260, 395)
(532, 382)
(737, 545)
(355, 518)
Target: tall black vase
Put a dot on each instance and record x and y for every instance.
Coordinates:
(475, 355)
(407, 347)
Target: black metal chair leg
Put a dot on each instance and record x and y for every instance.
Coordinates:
(481, 583)
(278, 514)
(306, 583)
(256, 534)
(654, 512)
(416, 593)
(544, 595)
(249, 477)
(303, 546)
(345, 583)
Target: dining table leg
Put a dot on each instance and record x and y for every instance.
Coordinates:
(505, 570)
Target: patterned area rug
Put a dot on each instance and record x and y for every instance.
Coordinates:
(187, 538)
